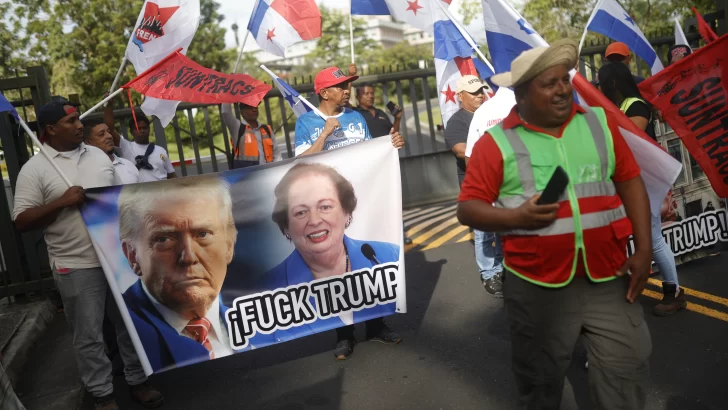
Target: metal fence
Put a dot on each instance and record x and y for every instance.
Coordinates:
(198, 143)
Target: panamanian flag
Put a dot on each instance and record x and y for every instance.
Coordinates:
(277, 24)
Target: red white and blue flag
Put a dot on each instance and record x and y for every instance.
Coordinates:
(277, 24)
(448, 73)
(162, 27)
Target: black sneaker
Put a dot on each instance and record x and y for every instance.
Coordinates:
(385, 335)
(344, 348)
(494, 286)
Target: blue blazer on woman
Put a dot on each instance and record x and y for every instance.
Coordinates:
(293, 271)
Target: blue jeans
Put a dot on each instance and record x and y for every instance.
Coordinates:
(488, 254)
(662, 254)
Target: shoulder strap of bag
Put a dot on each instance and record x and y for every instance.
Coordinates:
(148, 152)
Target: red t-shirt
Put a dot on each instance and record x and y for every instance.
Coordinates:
(484, 174)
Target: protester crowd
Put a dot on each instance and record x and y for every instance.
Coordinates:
(554, 252)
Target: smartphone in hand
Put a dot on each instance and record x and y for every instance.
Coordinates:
(393, 108)
(555, 187)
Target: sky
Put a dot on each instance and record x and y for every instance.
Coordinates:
(238, 11)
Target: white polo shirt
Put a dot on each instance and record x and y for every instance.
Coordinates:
(159, 160)
(68, 242)
(125, 171)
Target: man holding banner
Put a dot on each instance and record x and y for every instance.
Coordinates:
(564, 259)
(342, 127)
(43, 200)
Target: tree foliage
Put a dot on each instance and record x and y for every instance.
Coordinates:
(333, 48)
(555, 19)
(82, 42)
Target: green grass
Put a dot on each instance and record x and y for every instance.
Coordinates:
(436, 117)
(188, 151)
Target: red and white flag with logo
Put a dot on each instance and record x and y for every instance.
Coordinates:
(162, 27)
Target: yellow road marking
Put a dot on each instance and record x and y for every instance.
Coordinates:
(419, 240)
(410, 212)
(430, 216)
(696, 293)
(412, 231)
(444, 238)
(426, 211)
(691, 306)
(469, 237)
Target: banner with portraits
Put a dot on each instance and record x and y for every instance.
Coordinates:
(209, 266)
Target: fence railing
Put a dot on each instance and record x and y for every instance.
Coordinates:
(198, 142)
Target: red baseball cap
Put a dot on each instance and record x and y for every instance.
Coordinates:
(617, 48)
(329, 77)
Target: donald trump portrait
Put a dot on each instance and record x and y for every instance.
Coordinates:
(179, 237)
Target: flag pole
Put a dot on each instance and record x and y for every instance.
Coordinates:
(466, 35)
(583, 35)
(300, 97)
(467, 38)
(45, 153)
(118, 73)
(102, 102)
(351, 33)
(140, 76)
(240, 51)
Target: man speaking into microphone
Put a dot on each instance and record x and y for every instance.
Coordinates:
(314, 206)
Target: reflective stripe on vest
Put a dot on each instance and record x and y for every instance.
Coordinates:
(525, 170)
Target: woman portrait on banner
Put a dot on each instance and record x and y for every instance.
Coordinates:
(618, 85)
(314, 207)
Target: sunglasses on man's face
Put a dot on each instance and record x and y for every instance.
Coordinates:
(480, 91)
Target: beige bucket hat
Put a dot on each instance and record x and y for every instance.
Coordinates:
(535, 61)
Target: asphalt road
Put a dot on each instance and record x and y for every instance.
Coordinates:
(455, 354)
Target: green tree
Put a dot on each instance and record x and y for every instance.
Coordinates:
(470, 9)
(82, 42)
(403, 55)
(333, 48)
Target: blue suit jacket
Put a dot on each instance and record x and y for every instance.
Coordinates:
(293, 270)
(164, 347)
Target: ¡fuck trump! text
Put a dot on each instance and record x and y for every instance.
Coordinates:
(320, 299)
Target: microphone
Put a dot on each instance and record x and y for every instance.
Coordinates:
(369, 253)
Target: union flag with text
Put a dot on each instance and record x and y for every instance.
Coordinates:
(692, 97)
(178, 78)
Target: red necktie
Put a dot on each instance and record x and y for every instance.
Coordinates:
(197, 330)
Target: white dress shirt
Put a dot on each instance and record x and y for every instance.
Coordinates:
(217, 335)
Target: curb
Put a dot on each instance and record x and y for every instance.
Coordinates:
(38, 316)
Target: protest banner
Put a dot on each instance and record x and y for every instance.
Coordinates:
(207, 266)
(178, 78)
(692, 97)
(693, 233)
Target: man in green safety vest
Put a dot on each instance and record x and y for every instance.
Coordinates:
(567, 270)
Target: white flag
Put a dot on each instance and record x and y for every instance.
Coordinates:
(680, 34)
(162, 27)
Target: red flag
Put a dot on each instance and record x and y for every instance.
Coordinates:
(704, 28)
(178, 78)
(692, 96)
(659, 170)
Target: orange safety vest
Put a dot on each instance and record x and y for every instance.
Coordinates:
(250, 155)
